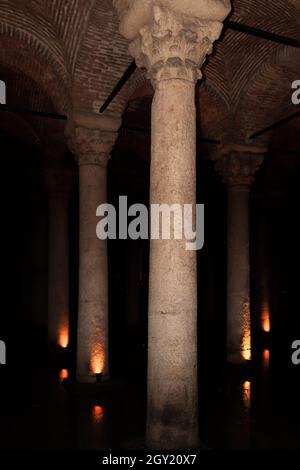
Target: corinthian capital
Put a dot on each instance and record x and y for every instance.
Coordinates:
(171, 38)
(92, 146)
(91, 138)
(238, 164)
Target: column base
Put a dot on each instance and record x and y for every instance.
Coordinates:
(157, 446)
(171, 438)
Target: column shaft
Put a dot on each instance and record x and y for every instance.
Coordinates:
(58, 271)
(172, 362)
(237, 164)
(91, 138)
(92, 342)
(171, 40)
(238, 287)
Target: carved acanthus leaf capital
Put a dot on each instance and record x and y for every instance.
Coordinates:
(174, 45)
(238, 169)
(91, 139)
(92, 146)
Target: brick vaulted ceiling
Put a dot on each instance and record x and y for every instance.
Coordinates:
(73, 53)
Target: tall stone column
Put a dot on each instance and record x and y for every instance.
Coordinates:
(237, 165)
(91, 139)
(59, 184)
(171, 41)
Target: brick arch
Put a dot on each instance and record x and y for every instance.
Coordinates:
(29, 42)
(231, 69)
(101, 60)
(138, 86)
(20, 128)
(24, 93)
(34, 30)
(18, 54)
(267, 97)
(213, 111)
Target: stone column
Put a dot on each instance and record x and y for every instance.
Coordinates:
(59, 184)
(237, 165)
(172, 44)
(91, 139)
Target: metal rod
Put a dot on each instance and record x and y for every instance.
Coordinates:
(243, 28)
(10, 109)
(127, 74)
(233, 25)
(275, 125)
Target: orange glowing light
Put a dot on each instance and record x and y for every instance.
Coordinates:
(266, 357)
(246, 347)
(64, 374)
(64, 337)
(246, 354)
(265, 318)
(246, 342)
(97, 361)
(98, 414)
(247, 393)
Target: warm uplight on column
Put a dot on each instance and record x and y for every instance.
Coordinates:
(97, 361)
(246, 344)
(247, 393)
(265, 318)
(63, 339)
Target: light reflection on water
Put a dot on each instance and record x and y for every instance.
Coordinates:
(266, 358)
(64, 374)
(97, 414)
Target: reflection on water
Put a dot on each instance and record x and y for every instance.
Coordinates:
(265, 318)
(97, 414)
(266, 358)
(64, 374)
